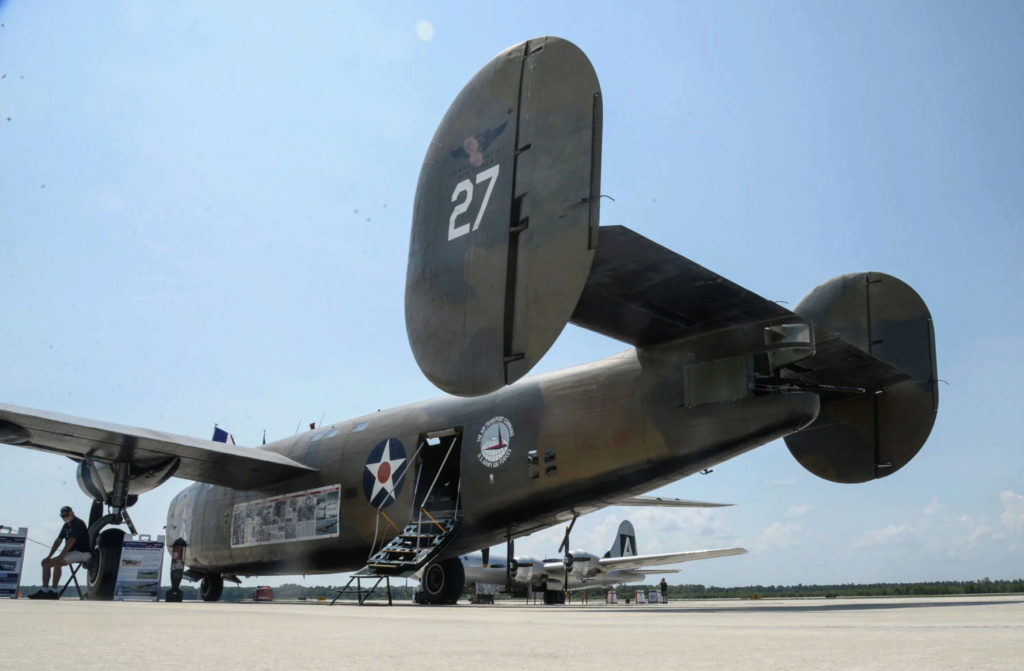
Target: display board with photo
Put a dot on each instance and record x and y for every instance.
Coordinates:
(138, 574)
(298, 516)
(12, 552)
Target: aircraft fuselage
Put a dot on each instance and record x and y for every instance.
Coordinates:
(571, 440)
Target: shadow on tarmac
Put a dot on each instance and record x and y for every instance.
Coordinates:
(755, 606)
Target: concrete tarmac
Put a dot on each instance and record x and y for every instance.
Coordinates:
(931, 633)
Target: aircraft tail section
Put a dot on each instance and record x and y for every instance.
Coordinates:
(505, 218)
(624, 544)
(875, 349)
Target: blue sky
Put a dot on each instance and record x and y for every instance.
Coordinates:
(204, 217)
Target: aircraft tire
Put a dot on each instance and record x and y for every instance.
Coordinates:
(442, 582)
(102, 570)
(211, 587)
(550, 597)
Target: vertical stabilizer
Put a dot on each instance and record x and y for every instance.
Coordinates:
(625, 541)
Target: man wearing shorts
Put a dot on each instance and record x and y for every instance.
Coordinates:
(76, 549)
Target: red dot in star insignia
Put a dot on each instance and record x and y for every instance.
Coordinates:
(384, 472)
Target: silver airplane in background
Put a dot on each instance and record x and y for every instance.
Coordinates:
(579, 570)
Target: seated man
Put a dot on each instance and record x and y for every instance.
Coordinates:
(76, 549)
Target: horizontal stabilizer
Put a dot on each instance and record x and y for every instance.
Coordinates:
(667, 502)
(644, 294)
(839, 363)
(200, 460)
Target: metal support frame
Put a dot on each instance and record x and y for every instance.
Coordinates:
(359, 588)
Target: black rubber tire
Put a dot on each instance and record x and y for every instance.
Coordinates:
(442, 582)
(211, 587)
(106, 559)
(560, 597)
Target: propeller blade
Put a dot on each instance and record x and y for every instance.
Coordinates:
(486, 554)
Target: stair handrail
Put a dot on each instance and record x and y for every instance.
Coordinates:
(376, 528)
(426, 496)
(433, 520)
(401, 477)
(458, 497)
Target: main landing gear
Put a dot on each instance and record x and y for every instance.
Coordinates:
(106, 558)
(211, 587)
(553, 597)
(106, 543)
(442, 582)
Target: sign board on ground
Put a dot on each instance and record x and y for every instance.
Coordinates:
(138, 574)
(12, 557)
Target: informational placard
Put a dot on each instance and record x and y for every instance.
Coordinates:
(12, 557)
(299, 516)
(142, 562)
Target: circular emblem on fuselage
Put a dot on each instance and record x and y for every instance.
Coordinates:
(382, 477)
(495, 442)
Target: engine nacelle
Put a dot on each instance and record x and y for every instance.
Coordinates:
(96, 478)
(524, 568)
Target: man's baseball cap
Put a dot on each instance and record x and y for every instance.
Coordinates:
(65, 510)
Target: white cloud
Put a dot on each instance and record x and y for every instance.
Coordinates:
(781, 535)
(425, 30)
(1013, 513)
(933, 507)
(886, 535)
(797, 511)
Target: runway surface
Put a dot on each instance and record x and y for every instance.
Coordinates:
(932, 633)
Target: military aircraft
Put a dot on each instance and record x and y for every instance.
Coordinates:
(506, 249)
(554, 577)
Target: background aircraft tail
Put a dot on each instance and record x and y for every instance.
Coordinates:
(624, 544)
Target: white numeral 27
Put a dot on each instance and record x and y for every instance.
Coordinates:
(466, 186)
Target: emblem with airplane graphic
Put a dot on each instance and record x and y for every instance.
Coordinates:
(494, 439)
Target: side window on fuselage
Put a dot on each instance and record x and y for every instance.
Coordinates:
(550, 467)
(533, 464)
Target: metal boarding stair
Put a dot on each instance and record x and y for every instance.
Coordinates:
(420, 542)
(424, 537)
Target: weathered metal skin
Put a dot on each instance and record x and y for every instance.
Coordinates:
(505, 218)
(867, 436)
(616, 427)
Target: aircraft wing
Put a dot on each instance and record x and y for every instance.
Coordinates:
(200, 460)
(639, 562)
(667, 502)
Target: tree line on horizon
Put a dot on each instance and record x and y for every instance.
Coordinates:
(293, 591)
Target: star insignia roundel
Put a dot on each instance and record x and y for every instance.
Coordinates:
(382, 477)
